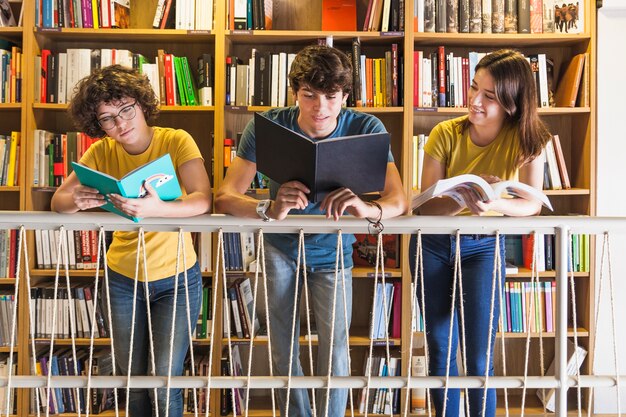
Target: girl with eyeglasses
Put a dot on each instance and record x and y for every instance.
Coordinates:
(116, 103)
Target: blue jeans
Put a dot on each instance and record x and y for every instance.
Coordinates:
(161, 295)
(281, 272)
(477, 260)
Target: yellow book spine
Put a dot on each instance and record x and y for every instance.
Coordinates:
(15, 139)
(96, 18)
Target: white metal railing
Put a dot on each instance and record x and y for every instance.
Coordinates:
(560, 226)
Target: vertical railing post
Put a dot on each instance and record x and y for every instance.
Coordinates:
(560, 370)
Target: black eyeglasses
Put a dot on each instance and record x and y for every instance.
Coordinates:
(126, 113)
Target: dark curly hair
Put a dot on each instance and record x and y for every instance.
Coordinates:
(109, 85)
(322, 68)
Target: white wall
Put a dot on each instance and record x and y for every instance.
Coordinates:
(611, 77)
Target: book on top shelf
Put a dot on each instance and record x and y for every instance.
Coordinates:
(339, 15)
(6, 14)
(356, 162)
(449, 187)
(159, 173)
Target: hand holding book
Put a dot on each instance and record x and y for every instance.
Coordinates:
(455, 187)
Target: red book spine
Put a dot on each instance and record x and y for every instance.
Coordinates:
(441, 69)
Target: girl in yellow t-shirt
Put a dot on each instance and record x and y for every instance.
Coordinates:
(116, 103)
(500, 139)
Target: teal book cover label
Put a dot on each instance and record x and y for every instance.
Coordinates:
(159, 173)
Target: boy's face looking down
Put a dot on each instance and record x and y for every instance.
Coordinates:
(318, 110)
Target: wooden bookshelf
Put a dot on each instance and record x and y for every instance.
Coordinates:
(297, 24)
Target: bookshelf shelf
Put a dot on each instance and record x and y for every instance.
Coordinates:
(6, 188)
(460, 111)
(6, 349)
(498, 39)
(270, 37)
(116, 35)
(79, 342)
(10, 106)
(303, 340)
(364, 272)
(526, 273)
(163, 109)
(580, 332)
(7, 281)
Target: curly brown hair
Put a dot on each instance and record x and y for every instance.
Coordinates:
(110, 85)
(322, 68)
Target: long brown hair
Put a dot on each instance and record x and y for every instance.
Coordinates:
(516, 92)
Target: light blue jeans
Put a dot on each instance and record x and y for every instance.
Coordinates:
(281, 272)
(161, 296)
(477, 260)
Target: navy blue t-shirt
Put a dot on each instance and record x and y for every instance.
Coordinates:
(320, 248)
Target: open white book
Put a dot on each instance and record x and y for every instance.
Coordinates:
(449, 187)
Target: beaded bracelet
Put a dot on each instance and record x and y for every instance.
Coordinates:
(375, 226)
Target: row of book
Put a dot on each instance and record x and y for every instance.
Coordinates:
(172, 77)
(7, 304)
(53, 154)
(381, 400)
(200, 368)
(377, 81)
(8, 253)
(499, 16)
(517, 314)
(4, 391)
(239, 251)
(387, 321)
(264, 81)
(239, 311)
(76, 305)
(96, 14)
(555, 172)
(519, 251)
(250, 14)
(73, 400)
(79, 248)
(184, 14)
(9, 158)
(11, 75)
(384, 16)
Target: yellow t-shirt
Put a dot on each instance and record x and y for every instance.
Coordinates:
(451, 145)
(108, 156)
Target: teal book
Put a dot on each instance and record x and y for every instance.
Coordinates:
(159, 173)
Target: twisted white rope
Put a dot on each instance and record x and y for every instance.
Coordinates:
(301, 250)
(338, 259)
(222, 269)
(261, 264)
(31, 321)
(341, 264)
(100, 251)
(498, 268)
(21, 239)
(180, 248)
(534, 277)
(495, 279)
(219, 261)
(307, 304)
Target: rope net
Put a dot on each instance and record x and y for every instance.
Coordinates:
(245, 348)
